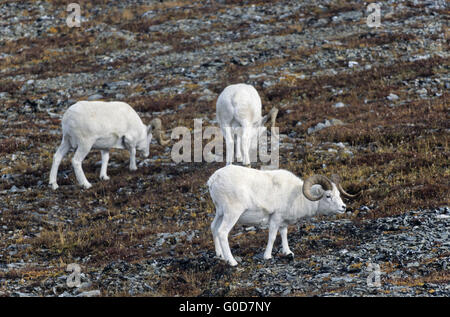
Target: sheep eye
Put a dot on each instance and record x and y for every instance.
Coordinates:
(328, 196)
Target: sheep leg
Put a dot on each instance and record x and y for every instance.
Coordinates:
(238, 147)
(105, 159)
(132, 149)
(133, 166)
(229, 220)
(273, 230)
(246, 145)
(284, 241)
(77, 160)
(229, 144)
(59, 154)
(214, 228)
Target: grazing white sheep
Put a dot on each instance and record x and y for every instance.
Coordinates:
(275, 198)
(102, 125)
(238, 111)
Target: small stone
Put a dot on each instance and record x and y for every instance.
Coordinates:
(95, 97)
(322, 275)
(339, 105)
(422, 91)
(392, 97)
(89, 293)
(322, 125)
(21, 294)
(120, 96)
(286, 292)
(13, 189)
(71, 101)
(149, 14)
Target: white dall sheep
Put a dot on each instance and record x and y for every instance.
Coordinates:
(238, 111)
(275, 198)
(102, 125)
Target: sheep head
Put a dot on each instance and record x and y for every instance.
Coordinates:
(155, 128)
(328, 194)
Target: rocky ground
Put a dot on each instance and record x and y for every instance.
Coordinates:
(389, 256)
(368, 103)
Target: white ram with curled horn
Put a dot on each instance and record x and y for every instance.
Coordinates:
(103, 125)
(275, 198)
(238, 111)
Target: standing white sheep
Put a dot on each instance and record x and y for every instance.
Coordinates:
(238, 111)
(275, 198)
(102, 125)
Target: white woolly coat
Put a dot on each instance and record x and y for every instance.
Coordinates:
(260, 194)
(238, 105)
(104, 122)
(254, 197)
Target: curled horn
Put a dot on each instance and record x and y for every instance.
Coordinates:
(337, 180)
(273, 115)
(156, 125)
(313, 180)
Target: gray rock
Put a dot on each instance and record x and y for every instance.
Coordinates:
(120, 97)
(392, 97)
(349, 16)
(339, 105)
(118, 84)
(22, 294)
(14, 189)
(95, 97)
(322, 125)
(93, 293)
(422, 91)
